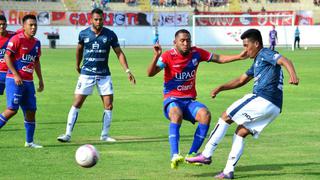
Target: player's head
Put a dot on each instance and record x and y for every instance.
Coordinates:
(97, 19)
(252, 42)
(30, 26)
(3, 24)
(182, 41)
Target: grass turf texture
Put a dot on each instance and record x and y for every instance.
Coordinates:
(287, 149)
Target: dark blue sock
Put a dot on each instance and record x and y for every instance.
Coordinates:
(199, 137)
(174, 137)
(3, 121)
(30, 127)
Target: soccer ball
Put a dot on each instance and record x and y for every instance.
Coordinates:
(305, 48)
(87, 156)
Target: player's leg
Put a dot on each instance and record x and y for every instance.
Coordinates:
(173, 112)
(235, 153)
(199, 112)
(14, 95)
(105, 89)
(29, 107)
(2, 82)
(84, 88)
(107, 118)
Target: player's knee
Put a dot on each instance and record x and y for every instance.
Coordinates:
(8, 113)
(226, 118)
(204, 116)
(242, 131)
(175, 118)
(108, 107)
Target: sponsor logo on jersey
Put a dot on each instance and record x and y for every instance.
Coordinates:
(185, 87)
(24, 48)
(28, 58)
(95, 45)
(185, 75)
(26, 69)
(86, 40)
(104, 40)
(276, 56)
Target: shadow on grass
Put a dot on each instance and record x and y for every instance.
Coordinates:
(269, 167)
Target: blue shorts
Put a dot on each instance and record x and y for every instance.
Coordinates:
(24, 95)
(2, 82)
(188, 106)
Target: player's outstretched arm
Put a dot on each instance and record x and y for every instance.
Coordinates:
(238, 82)
(153, 69)
(221, 59)
(79, 55)
(291, 70)
(123, 61)
(16, 76)
(37, 68)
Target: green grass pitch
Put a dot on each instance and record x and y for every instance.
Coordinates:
(287, 149)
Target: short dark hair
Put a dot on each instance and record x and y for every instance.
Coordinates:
(253, 35)
(28, 16)
(97, 11)
(182, 31)
(3, 18)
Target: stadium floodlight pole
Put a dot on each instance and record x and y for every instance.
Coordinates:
(239, 16)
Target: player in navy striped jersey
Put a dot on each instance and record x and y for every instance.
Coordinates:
(254, 111)
(94, 47)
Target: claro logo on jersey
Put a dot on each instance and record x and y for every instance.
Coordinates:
(185, 87)
(26, 69)
(28, 58)
(185, 75)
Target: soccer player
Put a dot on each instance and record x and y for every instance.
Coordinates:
(4, 39)
(254, 111)
(273, 38)
(180, 67)
(23, 57)
(94, 45)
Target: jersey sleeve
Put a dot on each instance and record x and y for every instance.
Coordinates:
(250, 71)
(272, 57)
(13, 46)
(205, 55)
(114, 40)
(162, 61)
(80, 39)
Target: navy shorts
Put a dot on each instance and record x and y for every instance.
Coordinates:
(188, 106)
(24, 95)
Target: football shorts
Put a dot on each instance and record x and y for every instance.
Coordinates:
(86, 84)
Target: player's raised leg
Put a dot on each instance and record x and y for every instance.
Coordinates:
(107, 118)
(215, 137)
(72, 117)
(200, 113)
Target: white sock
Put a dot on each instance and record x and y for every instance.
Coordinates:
(72, 119)
(235, 153)
(215, 137)
(107, 117)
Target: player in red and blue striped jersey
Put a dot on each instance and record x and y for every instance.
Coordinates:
(4, 39)
(180, 68)
(22, 58)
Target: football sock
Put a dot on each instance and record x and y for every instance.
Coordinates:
(3, 120)
(235, 153)
(106, 122)
(174, 137)
(199, 137)
(72, 119)
(30, 127)
(215, 137)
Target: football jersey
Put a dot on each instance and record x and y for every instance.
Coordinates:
(25, 52)
(96, 51)
(273, 35)
(3, 45)
(180, 71)
(268, 76)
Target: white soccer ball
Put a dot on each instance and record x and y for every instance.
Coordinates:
(87, 156)
(305, 48)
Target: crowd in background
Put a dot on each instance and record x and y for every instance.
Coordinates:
(272, 1)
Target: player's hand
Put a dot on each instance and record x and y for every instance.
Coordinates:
(41, 86)
(294, 80)
(244, 54)
(215, 92)
(157, 49)
(131, 78)
(78, 69)
(17, 80)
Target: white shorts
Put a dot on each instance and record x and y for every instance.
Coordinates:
(86, 84)
(253, 112)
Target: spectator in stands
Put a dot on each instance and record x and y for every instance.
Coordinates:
(193, 3)
(249, 10)
(263, 9)
(104, 4)
(297, 37)
(94, 4)
(174, 3)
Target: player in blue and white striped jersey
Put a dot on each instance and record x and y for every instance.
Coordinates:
(254, 111)
(94, 47)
